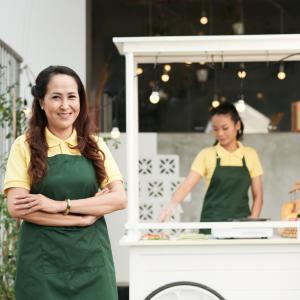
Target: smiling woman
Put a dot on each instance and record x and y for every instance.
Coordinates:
(52, 183)
(61, 105)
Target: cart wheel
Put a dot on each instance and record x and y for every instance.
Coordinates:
(184, 290)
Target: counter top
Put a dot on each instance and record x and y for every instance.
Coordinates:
(276, 240)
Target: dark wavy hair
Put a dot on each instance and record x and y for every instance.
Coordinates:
(35, 134)
(227, 108)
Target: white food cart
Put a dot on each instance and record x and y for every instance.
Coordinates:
(208, 269)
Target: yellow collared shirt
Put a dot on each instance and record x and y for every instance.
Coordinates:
(205, 162)
(18, 162)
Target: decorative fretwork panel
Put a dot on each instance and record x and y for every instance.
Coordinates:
(167, 165)
(146, 166)
(159, 178)
(146, 212)
(155, 189)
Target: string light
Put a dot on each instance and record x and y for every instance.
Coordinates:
(259, 95)
(281, 74)
(167, 68)
(242, 72)
(154, 97)
(215, 103)
(240, 105)
(223, 99)
(115, 132)
(165, 77)
(139, 71)
(203, 19)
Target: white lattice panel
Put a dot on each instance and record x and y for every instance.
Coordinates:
(147, 165)
(167, 165)
(146, 212)
(159, 188)
(159, 178)
(154, 189)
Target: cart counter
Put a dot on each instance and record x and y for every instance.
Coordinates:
(211, 269)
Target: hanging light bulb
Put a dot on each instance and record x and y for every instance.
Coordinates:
(188, 63)
(202, 75)
(223, 99)
(139, 71)
(167, 68)
(115, 132)
(242, 72)
(281, 74)
(238, 27)
(154, 97)
(203, 19)
(165, 77)
(215, 103)
(240, 105)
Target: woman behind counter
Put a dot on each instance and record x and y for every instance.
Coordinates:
(52, 179)
(229, 168)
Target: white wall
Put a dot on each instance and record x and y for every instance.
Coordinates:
(45, 32)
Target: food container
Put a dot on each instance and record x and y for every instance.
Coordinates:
(295, 116)
(289, 212)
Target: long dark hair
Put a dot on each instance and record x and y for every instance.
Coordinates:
(35, 134)
(227, 108)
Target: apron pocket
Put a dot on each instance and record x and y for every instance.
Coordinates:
(69, 249)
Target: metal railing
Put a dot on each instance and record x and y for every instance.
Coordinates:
(10, 69)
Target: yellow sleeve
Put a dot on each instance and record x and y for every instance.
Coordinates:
(199, 163)
(256, 168)
(16, 173)
(110, 165)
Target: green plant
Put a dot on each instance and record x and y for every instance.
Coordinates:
(115, 143)
(9, 232)
(12, 122)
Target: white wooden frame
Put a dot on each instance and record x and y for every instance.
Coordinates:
(246, 48)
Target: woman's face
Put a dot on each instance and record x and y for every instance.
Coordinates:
(61, 104)
(224, 129)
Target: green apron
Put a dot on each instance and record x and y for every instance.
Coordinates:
(65, 263)
(227, 194)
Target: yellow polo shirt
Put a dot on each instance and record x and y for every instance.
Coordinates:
(205, 162)
(18, 162)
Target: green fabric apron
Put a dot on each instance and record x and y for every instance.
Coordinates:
(227, 194)
(65, 263)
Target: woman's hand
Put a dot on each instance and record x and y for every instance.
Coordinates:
(167, 212)
(30, 203)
